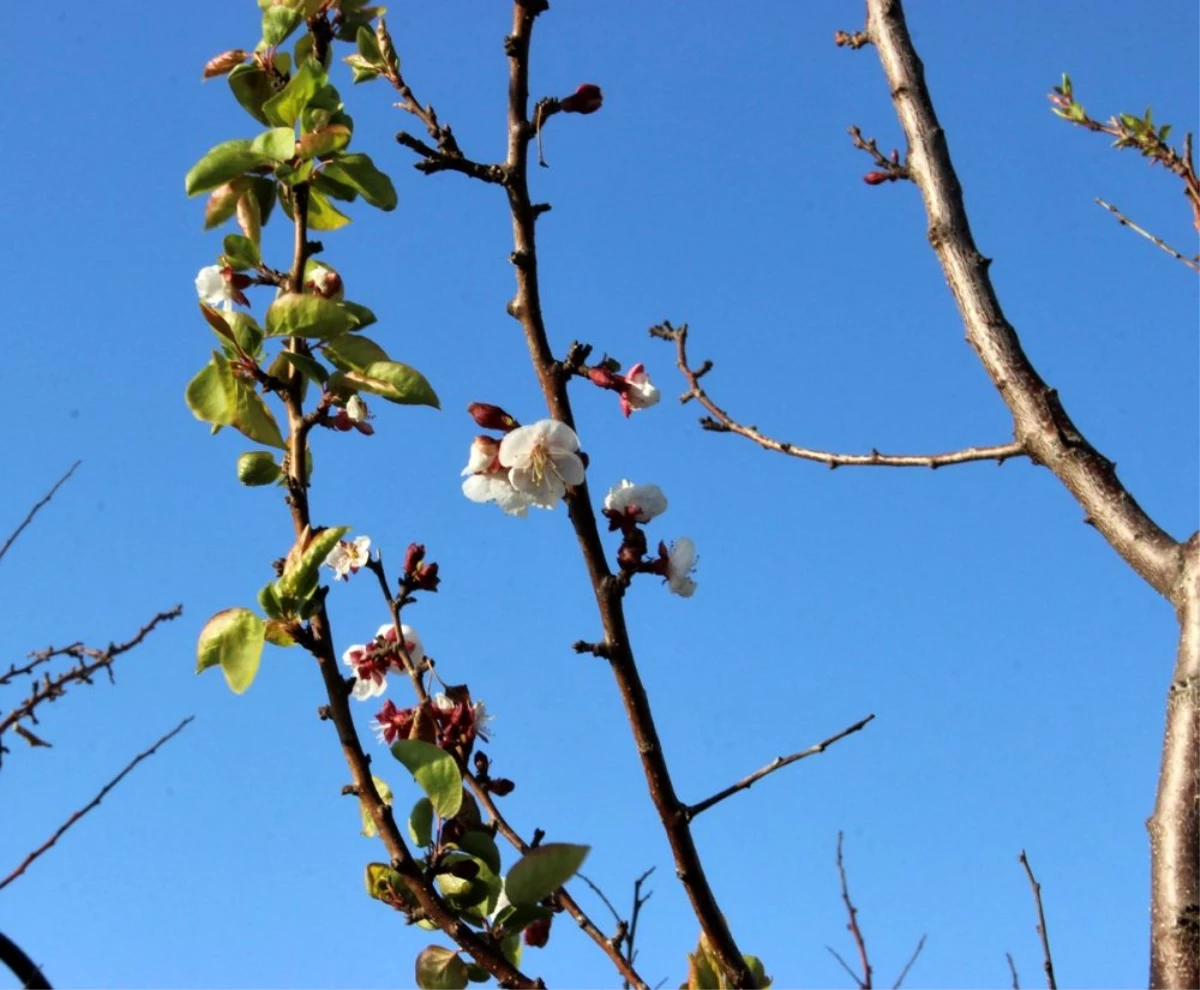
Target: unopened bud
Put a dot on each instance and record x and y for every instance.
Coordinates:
(482, 763)
(224, 63)
(491, 417)
(586, 99)
(604, 378)
(413, 557)
(325, 282)
(501, 786)
(875, 178)
(426, 577)
(537, 933)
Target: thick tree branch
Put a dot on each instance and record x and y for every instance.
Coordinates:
(526, 307)
(1041, 424)
(776, 764)
(721, 422)
(38, 506)
(1043, 934)
(21, 966)
(94, 802)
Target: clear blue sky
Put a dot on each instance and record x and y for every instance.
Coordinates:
(1017, 668)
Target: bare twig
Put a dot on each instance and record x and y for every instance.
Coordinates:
(1047, 960)
(37, 508)
(1124, 221)
(723, 422)
(776, 764)
(908, 965)
(635, 915)
(864, 981)
(1012, 969)
(58, 834)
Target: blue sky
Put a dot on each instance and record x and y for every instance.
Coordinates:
(1016, 667)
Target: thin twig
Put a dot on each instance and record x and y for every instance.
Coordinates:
(599, 893)
(776, 764)
(635, 915)
(908, 965)
(37, 508)
(722, 422)
(864, 981)
(1012, 969)
(1124, 221)
(58, 834)
(21, 966)
(1047, 960)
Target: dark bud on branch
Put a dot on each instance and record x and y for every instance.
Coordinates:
(537, 933)
(492, 417)
(586, 99)
(501, 786)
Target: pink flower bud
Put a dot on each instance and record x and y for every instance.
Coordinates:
(413, 557)
(875, 178)
(586, 99)
(604, 378)
(492, 417)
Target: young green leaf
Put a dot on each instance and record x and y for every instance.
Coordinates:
(300, 571)
(241, 252)
(313, 370)
(226, 161)
(223, 201)
(323, 142)
(393, 381)
(278, 144)
(385, 884)
(253, 418)
(276, 633)
(258, 467)
(211, 395)
(482, 846)
(297, 314)
(251, 88)
(369, 828)
(322, 214)
(278, 22)
(440, 969)
(420, 823)
(359, 173)
(233, 640)
(434, 771)
(542, 871)
(284, 107)
(354, 352)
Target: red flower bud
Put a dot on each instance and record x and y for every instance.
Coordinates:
(537, 933)
(586, 99)
(604, 378)
(875, 178)
(413, 557)
(491, 417)
(426, 577)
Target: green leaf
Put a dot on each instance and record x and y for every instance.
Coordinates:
(385, 884)
(322, 214)
(210, 395)
(278, 23)
(420, 823)
(278, 144)
(283, 109)
(232, 639)
(299, 578)
(258, 467)
(222, 202)
(542, 871)
(268, 599)
(471, 893)
(368, 45)
(440, 969)
(754, 964)
(313, 370)
(369, 829)
(251, 88)
(483, 847)
(241, 252)
(359, 173)
(246, 332)
(264, 191)
(434, 771)
(277, 634)
(393, 381)
(365, 316)
(297, 314)
(253, 418)
(354, 352)
(221, 164)
(333, 188)
(513, 918)
(324, 141)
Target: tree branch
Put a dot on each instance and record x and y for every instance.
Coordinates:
(526, 307)
(1041, 423)
(58, 834)
(1124, 221)
(21, 966)
(691, 811)
(1047, 959)
(908, 965)
(36, 509)
(864, 981)
(722, 422)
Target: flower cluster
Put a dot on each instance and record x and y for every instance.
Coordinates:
(451, 720)
(372, 663)
(531, 465)
(627, 507)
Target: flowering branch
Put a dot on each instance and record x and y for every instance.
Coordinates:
(21, 966)
(90, 662)
(776, 764)
(1047, 959)
(94, 802)
(41, 503)
(721, 422)
(1124, 221)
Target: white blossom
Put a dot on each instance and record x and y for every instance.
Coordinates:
(496, 488)
(412, 640)
(213, 288)
(642, 502)
(681, 562)
(640, 391)
(348, 556)
(542, 461)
